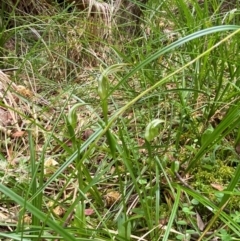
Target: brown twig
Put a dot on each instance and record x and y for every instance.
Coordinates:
(182, 181)
(8, 70)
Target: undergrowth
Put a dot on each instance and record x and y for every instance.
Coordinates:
(108, 135)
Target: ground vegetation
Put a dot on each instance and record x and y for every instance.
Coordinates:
(119, 120)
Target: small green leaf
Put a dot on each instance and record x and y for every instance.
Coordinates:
(142, 181)
(180, 237)
(79, 217)
(181, 222)
(111, 142)
(207, 133)
(194, 201)
(124, 227)
(175, 166)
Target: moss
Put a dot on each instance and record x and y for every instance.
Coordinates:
(219, 173)
(225, 173)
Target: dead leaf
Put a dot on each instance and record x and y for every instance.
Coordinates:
(89, 212)
(5, 117)
(50, 166)
(217, 186)
(111, 198)
(18, 134)
(86, 134)
(200, 223)
(58, 211)
(163, 221)
(237, 148)
(27, 219)
(22, 90)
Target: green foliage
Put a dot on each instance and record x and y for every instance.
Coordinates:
(124, 227)
(142, 147)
